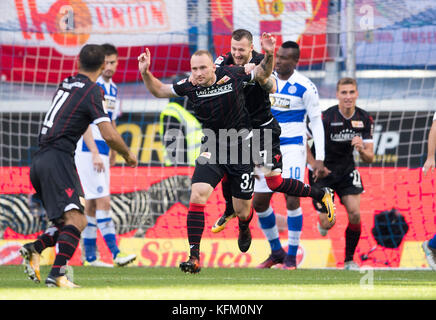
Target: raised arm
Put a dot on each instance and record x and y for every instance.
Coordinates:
(263, 70)
(154, 85)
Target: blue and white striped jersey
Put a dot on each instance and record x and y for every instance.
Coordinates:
(111, 105)
(294, 100)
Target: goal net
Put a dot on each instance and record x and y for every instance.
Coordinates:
(389, 46)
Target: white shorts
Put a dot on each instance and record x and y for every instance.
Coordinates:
(294, 166)
(95, 184)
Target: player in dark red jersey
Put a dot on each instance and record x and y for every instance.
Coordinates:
(76, 103)
(259, 106)
(347, 128)
(219, 105)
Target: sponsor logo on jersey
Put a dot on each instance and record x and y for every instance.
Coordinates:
(344, 135)
(357, 124)
(110, 102)
(215, 91)
(279, 102)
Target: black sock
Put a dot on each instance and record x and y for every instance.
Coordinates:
(195, 226)
(69, 237)
(352, 236)
(227, 194)
(47, 239)
(244, 224)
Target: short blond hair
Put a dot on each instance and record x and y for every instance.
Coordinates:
(203, 53)
(346, 80)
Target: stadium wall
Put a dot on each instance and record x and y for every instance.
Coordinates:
(150, 202)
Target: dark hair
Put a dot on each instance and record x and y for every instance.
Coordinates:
(242, 33)
(91, 57)
(292, 45)
(346, 80)
(109, 49)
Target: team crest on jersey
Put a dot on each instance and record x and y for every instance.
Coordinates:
(357, 124)
(219, 60)
(182, 81)
(223, 80)
(206, 155)
(292, 89)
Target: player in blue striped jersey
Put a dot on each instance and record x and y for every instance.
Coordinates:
(295, 99)
(429, 246)
(93, 160)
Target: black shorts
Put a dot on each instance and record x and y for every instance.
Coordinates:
(240, 176)
(266, 139)
(54, 176)
(342, 184)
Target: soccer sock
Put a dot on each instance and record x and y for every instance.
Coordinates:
(244, 224)
(227, 194)
(293, 187)
(195, 226)
(69, 237)
(47, 239)
(107, 229)
(432, 242)
(295, 225)
(267, 221)
(352, 236)
(89, 235)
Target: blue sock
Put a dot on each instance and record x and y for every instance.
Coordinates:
(432, 242)
(267, 221)
(295, 225)
(89, 235)
(107, 229)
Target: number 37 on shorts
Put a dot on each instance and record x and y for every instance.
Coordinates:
(247, 182)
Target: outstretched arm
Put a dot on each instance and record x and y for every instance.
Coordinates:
(154, 85)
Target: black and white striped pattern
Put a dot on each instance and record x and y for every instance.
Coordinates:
(135, 210)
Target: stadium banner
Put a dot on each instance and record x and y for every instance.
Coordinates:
(150, 218)
(41, 38)
(302, 21)
(398, 137)
(393, 33)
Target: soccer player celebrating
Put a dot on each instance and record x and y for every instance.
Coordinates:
(429, 246)
(219, 105)
(76, 103)
(93, 160)
(291, 137)
(348, 128)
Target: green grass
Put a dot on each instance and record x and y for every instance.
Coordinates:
(136, 283)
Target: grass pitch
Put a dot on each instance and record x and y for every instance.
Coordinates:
(140, 283)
